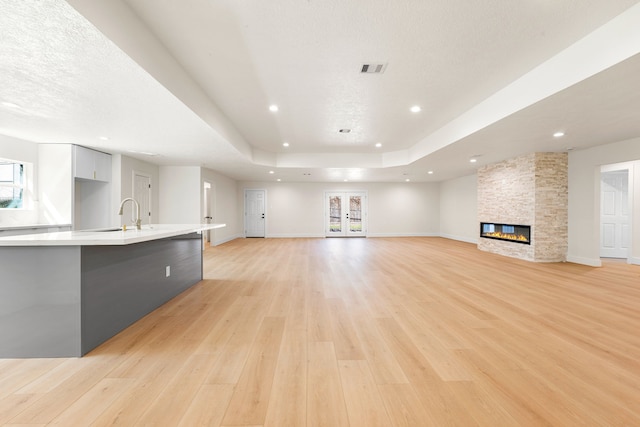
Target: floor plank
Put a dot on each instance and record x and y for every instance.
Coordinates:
(86, 409)
(250, 398)
(208, 406)
(288, 400)
(363, 399)
(325, 397)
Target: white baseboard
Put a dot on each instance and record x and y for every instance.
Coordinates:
(228, 239)
(632, 260)
(294, 236)
(592, 262)
(316, 236)
(460, 238)
(403, 235)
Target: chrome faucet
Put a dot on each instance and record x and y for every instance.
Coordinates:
(138, 220)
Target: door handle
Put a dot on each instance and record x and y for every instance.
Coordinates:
(208, 217)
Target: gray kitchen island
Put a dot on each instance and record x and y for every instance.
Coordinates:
(63, 294)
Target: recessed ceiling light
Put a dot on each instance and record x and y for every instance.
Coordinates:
(273, 108)
(474, 158)
(344, 130)
(278, 180)
(558, 134)
(146, 153)
(407, 180)
(271, 172)
(378, 145)
(346, 180)
(103, 138)
(430, 172)
(285, 144)
(415, 109)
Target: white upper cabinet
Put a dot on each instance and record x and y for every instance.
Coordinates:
(91, 164)
(103, 166)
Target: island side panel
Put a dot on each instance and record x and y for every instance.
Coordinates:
(121, 284)
(40, 301)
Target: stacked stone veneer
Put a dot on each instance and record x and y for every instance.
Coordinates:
(528, 190)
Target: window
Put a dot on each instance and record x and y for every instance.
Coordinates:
(12, 184)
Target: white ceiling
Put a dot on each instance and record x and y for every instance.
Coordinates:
(191, 82)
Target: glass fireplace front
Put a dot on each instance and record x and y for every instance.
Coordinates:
(508, 232)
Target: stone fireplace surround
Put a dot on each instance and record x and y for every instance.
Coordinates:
(530, 190)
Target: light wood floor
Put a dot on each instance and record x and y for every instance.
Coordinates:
(358, 332)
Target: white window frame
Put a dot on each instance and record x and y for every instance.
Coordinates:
(12, 185)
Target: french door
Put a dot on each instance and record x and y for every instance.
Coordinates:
(345, 214)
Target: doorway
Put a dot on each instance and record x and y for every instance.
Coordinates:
(254, 213)
(615, 228)
(346, 214)
(208, 200)
(142, 194)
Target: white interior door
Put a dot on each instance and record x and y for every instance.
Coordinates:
(207, 208)
(345, 214)
(254, 213)
(142, 194)
(615, 233)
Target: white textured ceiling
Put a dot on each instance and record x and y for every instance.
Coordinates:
(191, 81)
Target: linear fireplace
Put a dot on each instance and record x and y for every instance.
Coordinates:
(508, 232)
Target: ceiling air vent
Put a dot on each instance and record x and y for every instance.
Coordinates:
(373, 68)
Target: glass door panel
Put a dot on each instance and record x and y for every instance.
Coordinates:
(355, 214)
(335, 214)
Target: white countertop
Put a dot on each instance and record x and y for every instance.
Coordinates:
(97, 238)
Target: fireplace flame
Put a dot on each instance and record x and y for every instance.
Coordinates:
(499, 235)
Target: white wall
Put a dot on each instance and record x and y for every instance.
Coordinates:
(56, 188)
(459, 209)
(181, 199)
(224, 193)
(404, 209)
(293, 209)
(116, 189)
(394, 209)
(179, 195)
(584, 199)
(24, 151)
